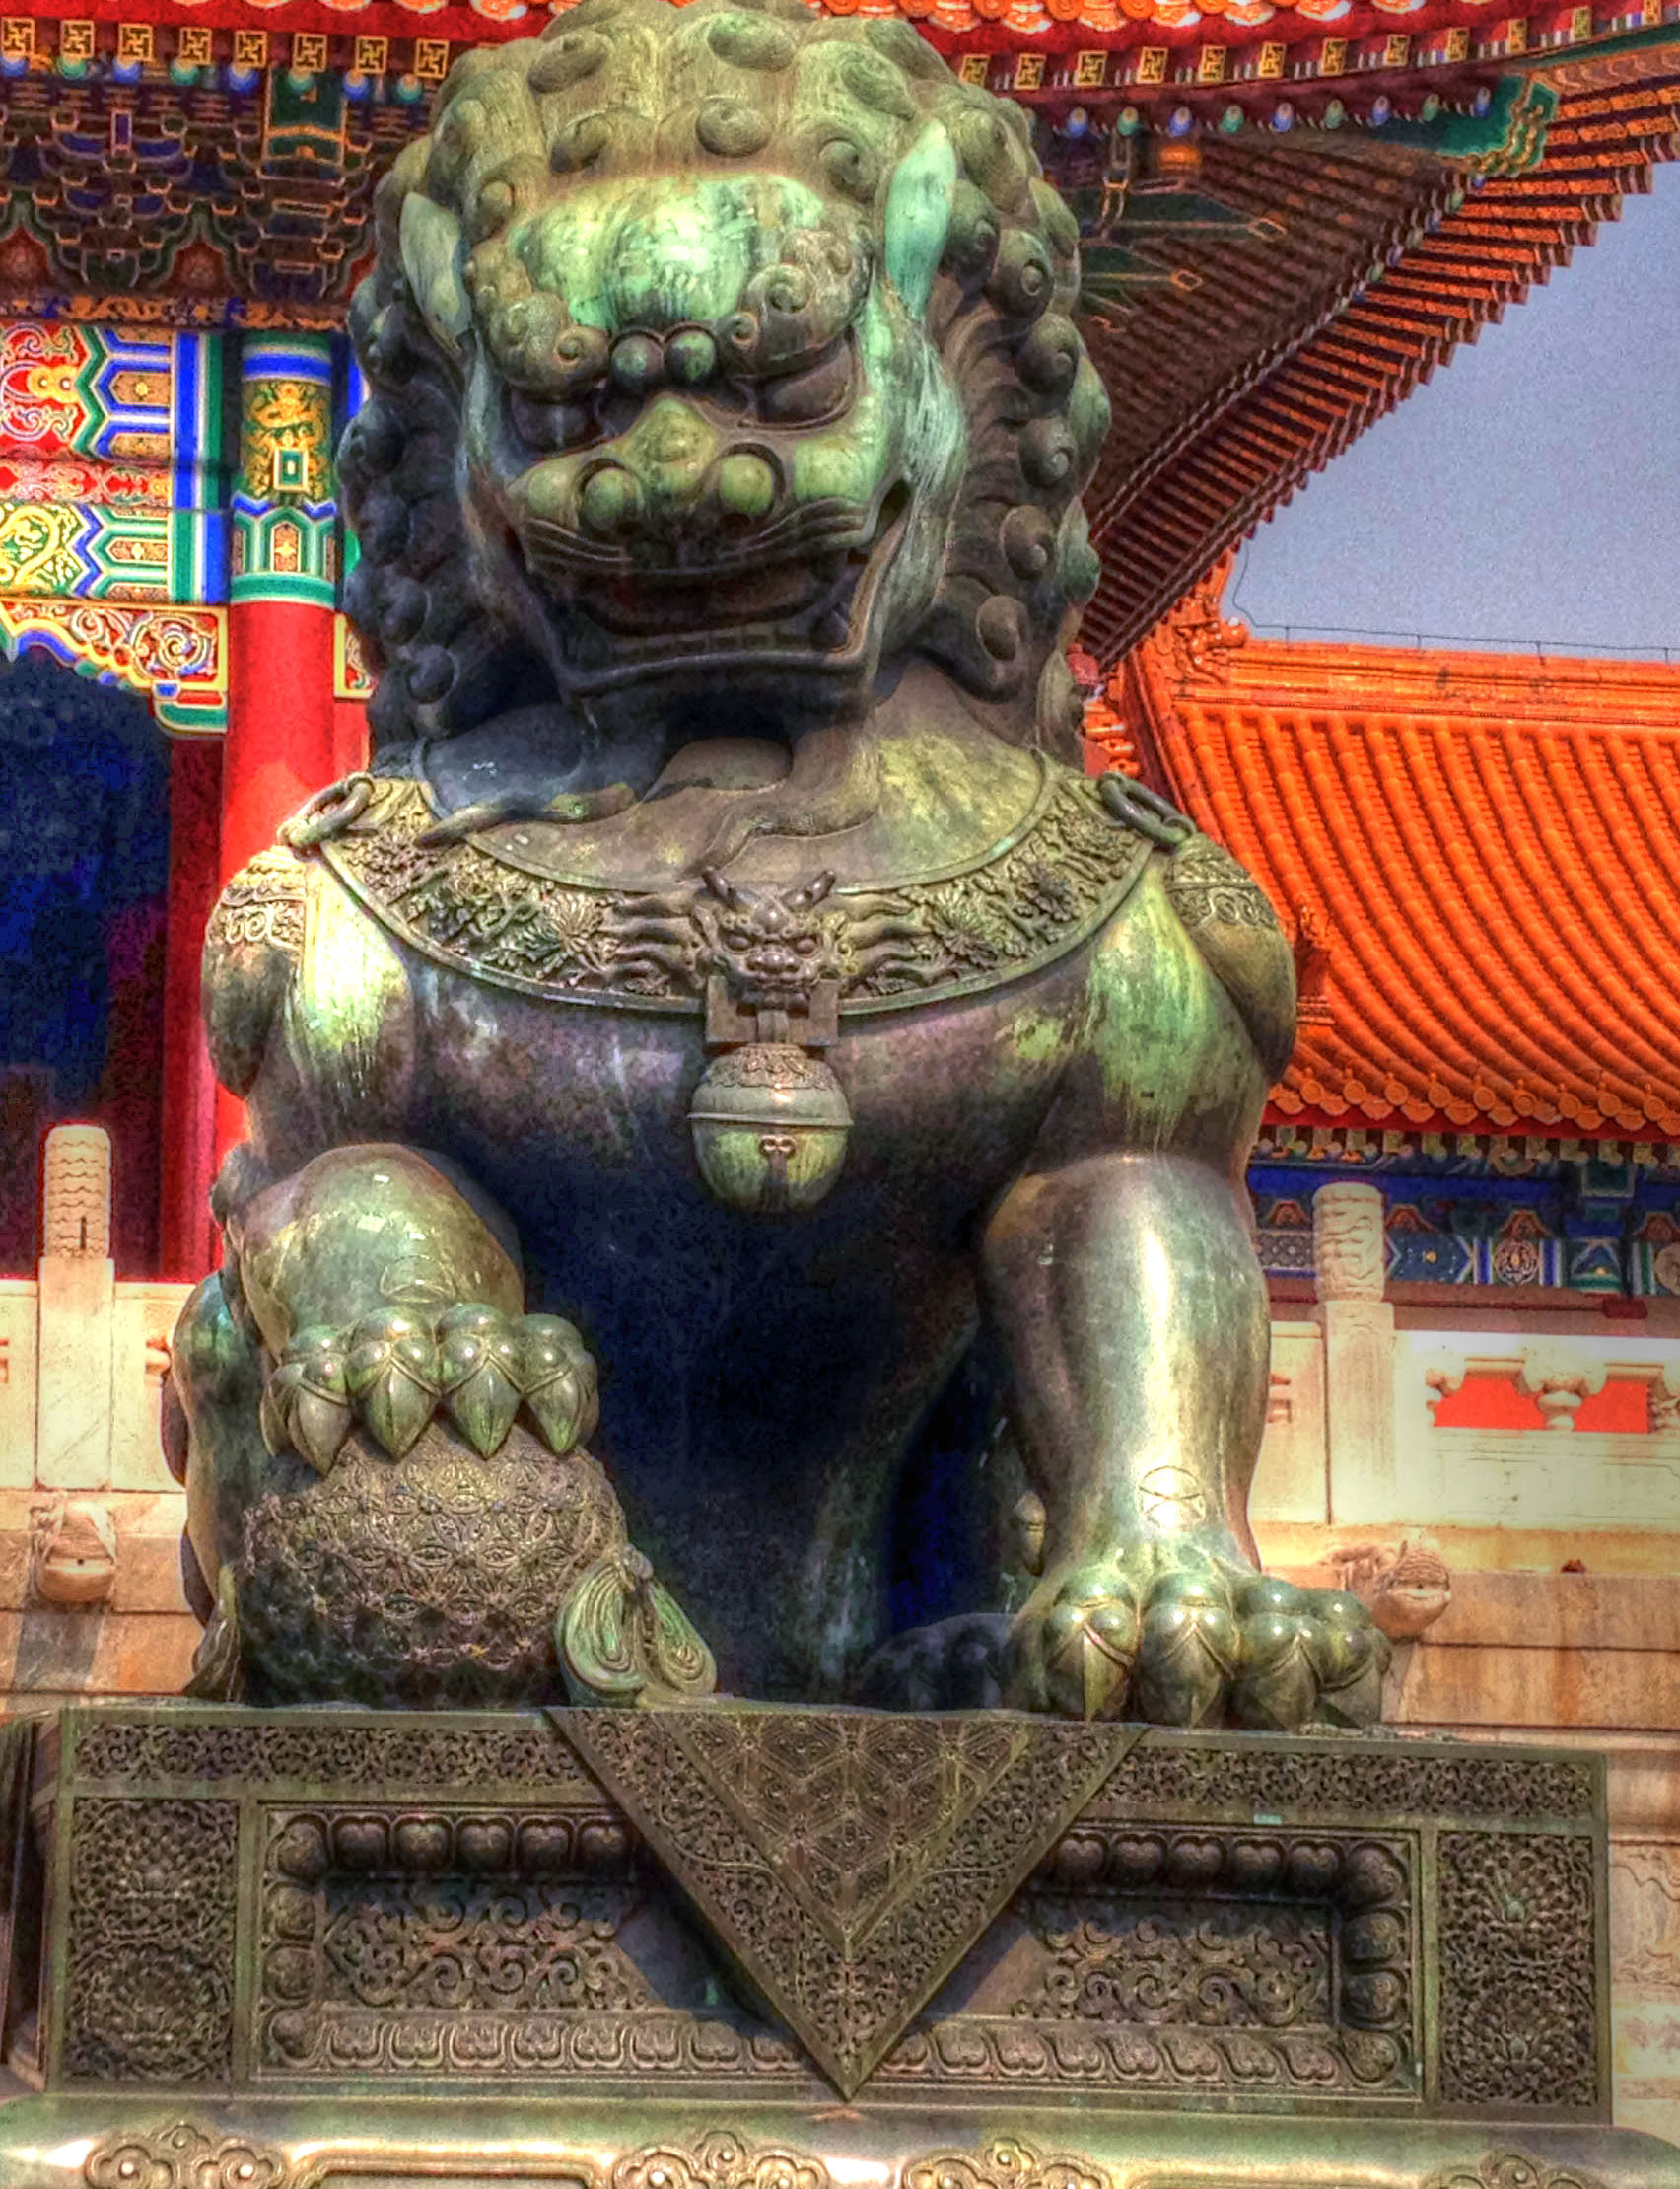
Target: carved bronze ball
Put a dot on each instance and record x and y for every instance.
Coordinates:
(638, 362)
(746, 487)
(426, 1582)
(566, 60)
(751, 41)
(610, 503)
(732, 128)
(770, 1126)
(691, 356)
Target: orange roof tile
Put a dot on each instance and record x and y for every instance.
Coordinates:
(1478, 856)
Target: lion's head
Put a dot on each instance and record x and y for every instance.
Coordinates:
(716, 352)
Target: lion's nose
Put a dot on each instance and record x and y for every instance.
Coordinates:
(672, 437)
(672, 475)
(670, 449)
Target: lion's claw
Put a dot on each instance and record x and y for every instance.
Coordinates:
(558, 1382)
(1176, 1637)
(1190, 1650)
(392, 1372)
(305, 1405)
(1354, 1653)
(1090, 1644)
(479, 1375)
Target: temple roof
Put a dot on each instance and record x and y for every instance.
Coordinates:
(1291, 214)
(1362, 264)
(1477, 854)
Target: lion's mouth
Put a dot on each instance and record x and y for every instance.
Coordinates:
(791, 588)
(654, 606)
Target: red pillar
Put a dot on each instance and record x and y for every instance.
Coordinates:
(280, 746)
(350, 736)
(185, 1234)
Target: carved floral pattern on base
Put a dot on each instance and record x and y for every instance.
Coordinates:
(1518, 1993)
(460, 1894)
(185, 2156)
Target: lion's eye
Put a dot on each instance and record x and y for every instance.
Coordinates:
(737, 939)
(801, 398)
(551, 425)
(806, 944)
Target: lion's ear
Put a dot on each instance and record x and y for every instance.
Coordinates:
(918, 216)
(432, 261)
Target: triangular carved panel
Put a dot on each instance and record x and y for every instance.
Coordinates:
(846, 1859)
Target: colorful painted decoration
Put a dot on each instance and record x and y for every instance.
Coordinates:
(351, 677)
(110, 464)
(176, 658)
(1587, 1216)
(285, 515)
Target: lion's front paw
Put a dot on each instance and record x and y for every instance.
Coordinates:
(1174, 1636)
(391, 1373)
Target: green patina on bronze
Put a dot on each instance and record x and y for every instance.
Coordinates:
(726, 971)
(743, 1135)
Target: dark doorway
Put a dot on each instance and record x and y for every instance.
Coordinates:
(84, 870)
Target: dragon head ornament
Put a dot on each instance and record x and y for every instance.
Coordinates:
(719, 353)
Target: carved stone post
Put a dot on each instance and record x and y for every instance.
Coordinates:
(1349, 1256)
(77, 1295)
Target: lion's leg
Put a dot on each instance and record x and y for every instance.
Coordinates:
(1130, 1284)
(371, 1306)
(366, 1286)
(1128, 1293)
(384, 1292)
(211, 1438)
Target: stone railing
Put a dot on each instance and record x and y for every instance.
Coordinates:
(1531, 1481)
(1376, 1427)
(90, 1521)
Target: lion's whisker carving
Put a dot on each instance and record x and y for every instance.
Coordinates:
(806, 531)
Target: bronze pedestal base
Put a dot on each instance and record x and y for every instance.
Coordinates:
(728, 1948)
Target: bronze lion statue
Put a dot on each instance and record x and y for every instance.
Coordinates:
(724, 972)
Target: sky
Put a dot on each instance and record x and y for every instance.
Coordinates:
(1530, 493)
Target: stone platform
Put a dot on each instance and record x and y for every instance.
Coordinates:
(751, 1949)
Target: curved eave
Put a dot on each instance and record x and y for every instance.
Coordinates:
(1463, 845)
(1174, 494)
(1255, 295)
(1048, 28)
